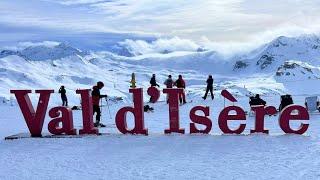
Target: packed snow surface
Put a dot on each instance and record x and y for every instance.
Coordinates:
(159, 156)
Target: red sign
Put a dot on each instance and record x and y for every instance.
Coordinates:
(62, 116)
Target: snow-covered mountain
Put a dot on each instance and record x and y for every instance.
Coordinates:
(43, 52)
(296, 70)
(274, 54)
(266, 70)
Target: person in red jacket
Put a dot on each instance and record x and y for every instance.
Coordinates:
(180, 83)
(96, 96)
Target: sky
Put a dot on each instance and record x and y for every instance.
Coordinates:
(228, 22)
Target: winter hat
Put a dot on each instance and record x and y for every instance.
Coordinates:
(100, 84)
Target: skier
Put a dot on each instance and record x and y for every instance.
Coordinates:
(64, 98)
(209, 88)
(180, 83)
(153, 81)
(96, 96)
(133, 81)
(169, 84)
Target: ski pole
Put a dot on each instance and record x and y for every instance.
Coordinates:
(101, 106)
(108, 108)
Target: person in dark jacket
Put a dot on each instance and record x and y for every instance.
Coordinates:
(153, 81)
(180, 83)
(255, 101)
(96, 96)
(64, 98)
(209, 88)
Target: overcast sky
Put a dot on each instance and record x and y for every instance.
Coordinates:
(199, 20)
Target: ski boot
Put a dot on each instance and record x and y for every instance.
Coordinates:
(102, 125)
(96, 124)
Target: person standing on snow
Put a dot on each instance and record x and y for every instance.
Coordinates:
(180, 83)
(64, 98)
(133, 81)
(209, 88)
(153, 81)
(169, 84)
(96, 96)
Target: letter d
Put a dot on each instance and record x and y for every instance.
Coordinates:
(136, 110)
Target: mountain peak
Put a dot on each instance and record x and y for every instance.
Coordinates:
(307, 39)
(272, 55)
(43, 52)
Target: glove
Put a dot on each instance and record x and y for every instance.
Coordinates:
(104, 96)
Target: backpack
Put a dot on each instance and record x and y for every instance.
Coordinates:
(147, 108)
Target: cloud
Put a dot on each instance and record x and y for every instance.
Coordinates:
(228, 22)
(77, 2)
(33, 44)
(162, 45)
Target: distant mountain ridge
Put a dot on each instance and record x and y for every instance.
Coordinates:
(267, 69)
(42, 52)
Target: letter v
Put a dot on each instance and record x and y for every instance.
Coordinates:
(34, 119)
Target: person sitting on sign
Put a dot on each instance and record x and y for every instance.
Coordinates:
(256, 101)
(285, 101)
(153, 81)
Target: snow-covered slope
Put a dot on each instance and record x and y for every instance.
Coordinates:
(296, 70)
(267, 70)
